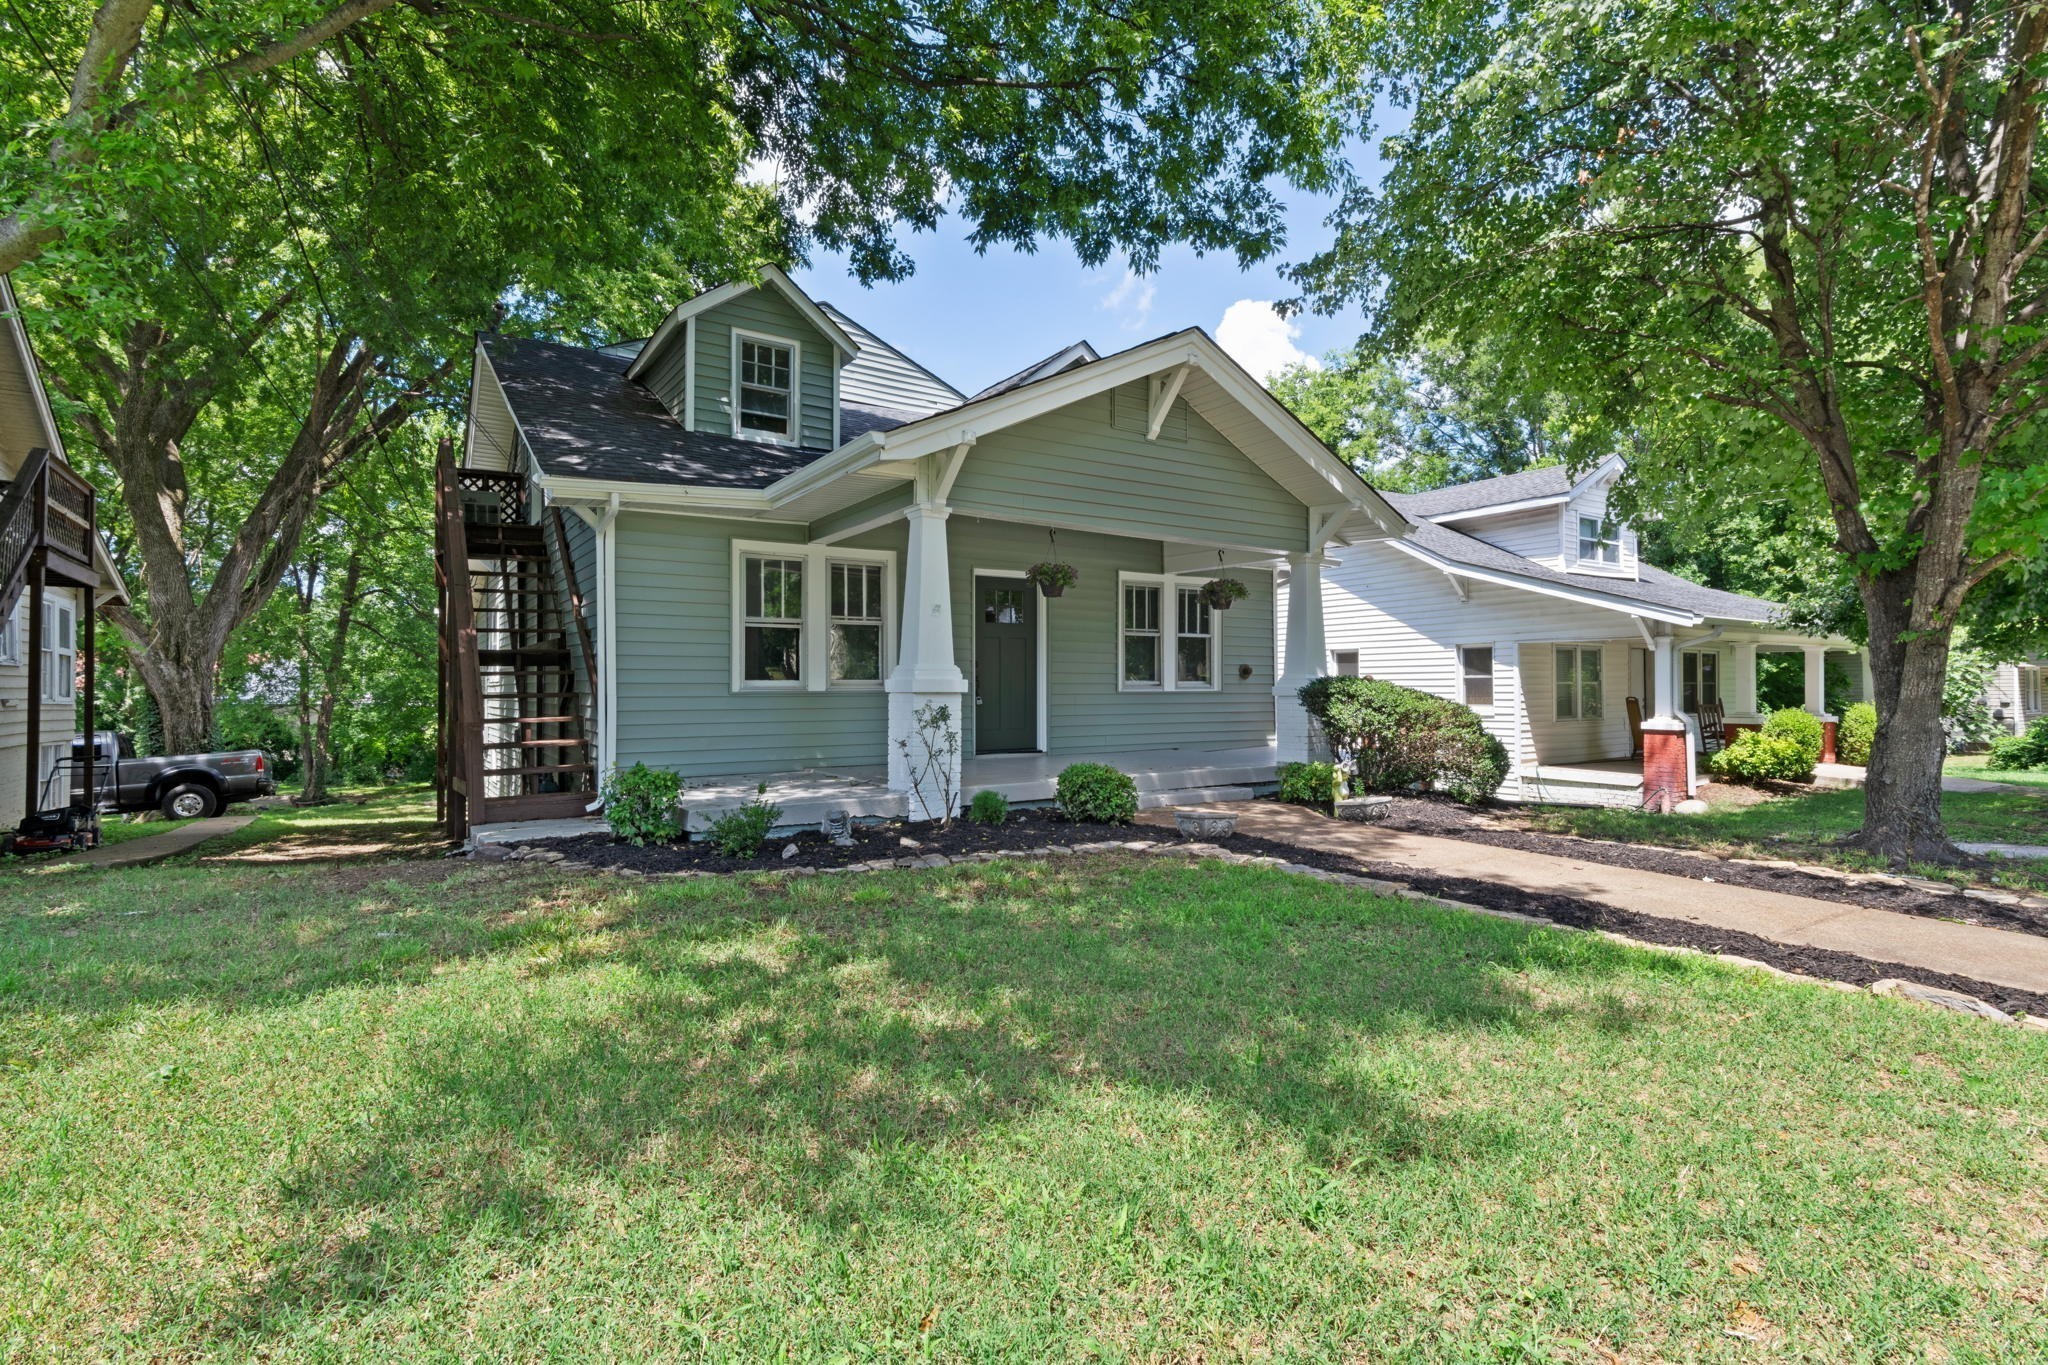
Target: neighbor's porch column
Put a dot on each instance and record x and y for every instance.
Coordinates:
(1817, 698)
(924, 763)
(1668, 772)
(1305, 655)
(1742, 682)
(1869, 680)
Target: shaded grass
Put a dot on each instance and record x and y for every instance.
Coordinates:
(1096, 1107)
(1973, 766)
(1805, 826)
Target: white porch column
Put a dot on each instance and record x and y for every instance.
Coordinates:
(1664, 675)
(1817, 679)
(925, 674)
(1869, 681)
(1306, 655)
(1742, 682)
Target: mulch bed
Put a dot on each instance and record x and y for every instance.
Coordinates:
(1421, 816)
(1586, 914)
(1037, 829)
(1023, 830)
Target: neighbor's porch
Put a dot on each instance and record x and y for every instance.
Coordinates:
(1627, 721)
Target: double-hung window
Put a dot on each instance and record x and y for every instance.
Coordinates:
(1168, 635)
(60, 652)
(1194, 648)
(10, 637)
(1578, 683)
(772, 629)
(765, 379)
(856, 652)
(1141, 635)
(1599, 542)
(1701, 678)
(1475, 667)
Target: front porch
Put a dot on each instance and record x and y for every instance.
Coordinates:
(808, 797)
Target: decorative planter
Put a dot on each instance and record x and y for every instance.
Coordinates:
(1369, 808)
(1052, 577)
(1219, 593)
(1205, 824)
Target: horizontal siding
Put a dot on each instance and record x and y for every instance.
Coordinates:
(1406, 623)
(1074, 467)
(58, 721)
(676, 705)
(762, 310)
(1593, 503)
(883, 377)
(668, 376)
(1533, 534)
(1086, 712)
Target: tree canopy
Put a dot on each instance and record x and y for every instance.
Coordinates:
(1802, 240)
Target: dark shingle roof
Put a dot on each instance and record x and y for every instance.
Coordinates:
(1654, 586)
(584, 420)
(1080, 353)
(1552, 481)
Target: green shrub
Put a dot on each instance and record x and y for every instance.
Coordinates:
(1096, 792)
(1802, 727)
(1857, 733)
(1759, 756)
(989, 808)
(740, 832)
(1395, 737)
(2016, 753)
(1310, 784)
(640, 803)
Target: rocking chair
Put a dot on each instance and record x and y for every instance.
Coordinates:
(1713, 727)
(1635, 728)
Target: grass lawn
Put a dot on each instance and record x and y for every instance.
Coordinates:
(1972, 765)
(1803, 828)
(263, 1103)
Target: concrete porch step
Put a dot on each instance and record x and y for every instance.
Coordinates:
(1192, 796)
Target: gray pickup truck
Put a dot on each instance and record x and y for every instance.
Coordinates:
(183, 787)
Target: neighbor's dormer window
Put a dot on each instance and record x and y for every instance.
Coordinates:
(1599, 541)
(767, 388)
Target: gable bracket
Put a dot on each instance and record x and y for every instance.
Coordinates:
(1165, 388)
(952, 469)
(1322, 523)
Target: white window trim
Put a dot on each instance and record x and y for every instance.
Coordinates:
(10, 636)
(816, 621)
(1169, 633)
(60, 651)
(796, 388)
(1492, 677)
(1618, 566)
(1577, 717)
(1700, 674)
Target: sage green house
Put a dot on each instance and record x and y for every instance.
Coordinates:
(792, 547)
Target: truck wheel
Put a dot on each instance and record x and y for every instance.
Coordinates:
(188, 802)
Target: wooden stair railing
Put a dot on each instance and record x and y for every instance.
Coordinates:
(23, 512)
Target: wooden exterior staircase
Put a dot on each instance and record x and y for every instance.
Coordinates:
(515, 740)
(49, 528)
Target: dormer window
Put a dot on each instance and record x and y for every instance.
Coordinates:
(765, 405)
(1599, 542)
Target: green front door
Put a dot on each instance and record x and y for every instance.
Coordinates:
(1005, 666)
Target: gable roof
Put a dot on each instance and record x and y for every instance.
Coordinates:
(771, 279)
(883, 378)
(1060, 361)
(1658, 589)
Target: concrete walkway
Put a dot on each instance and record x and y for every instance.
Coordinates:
(152, 848)
(1995, 955)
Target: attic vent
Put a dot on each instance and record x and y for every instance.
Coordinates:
(1133, 411)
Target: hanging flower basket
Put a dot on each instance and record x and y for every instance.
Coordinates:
(1052, 577)
(1219, 593)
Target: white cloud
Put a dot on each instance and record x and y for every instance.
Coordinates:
(1131, 300)
(1262, 341)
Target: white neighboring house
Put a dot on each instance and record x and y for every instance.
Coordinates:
(48, 537)
(1522, 598)
(2018, 695)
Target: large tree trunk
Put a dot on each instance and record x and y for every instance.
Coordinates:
(181, 687)
(320, 753)
(1902, 787)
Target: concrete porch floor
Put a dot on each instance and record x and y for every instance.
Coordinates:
(1164, 777)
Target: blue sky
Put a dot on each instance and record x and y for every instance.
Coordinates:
(973, 319)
